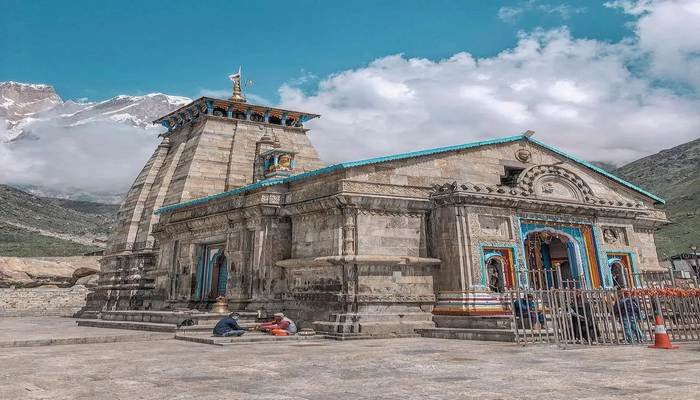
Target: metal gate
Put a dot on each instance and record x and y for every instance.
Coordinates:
(568, 315)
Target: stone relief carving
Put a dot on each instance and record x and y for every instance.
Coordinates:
(557, 188)
(537, 184)
(614, 235)
(523, 155)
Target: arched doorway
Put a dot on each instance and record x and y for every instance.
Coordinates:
(212, 274)
(219, 275)
(551, 259)
(619, 280)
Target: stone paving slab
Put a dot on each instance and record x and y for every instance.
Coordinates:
(410, 368)
(46, 331)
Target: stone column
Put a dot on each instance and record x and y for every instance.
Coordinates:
(349, 215)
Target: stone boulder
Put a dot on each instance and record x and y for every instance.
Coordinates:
(88, 281)
(28, 272)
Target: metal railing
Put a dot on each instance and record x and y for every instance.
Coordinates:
(567, 315)
(662, 279)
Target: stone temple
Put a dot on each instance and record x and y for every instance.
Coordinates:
(235, 202)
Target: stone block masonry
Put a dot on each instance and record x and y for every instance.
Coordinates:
(63, 302)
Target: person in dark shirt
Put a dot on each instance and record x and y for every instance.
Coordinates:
(526, 312)
(627, 310)
(228, 326)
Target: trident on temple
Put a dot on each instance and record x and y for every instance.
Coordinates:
(237, 92)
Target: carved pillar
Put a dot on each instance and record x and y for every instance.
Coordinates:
(349, 225)
(350, 278)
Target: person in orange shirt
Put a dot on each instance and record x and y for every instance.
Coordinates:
(280, 326)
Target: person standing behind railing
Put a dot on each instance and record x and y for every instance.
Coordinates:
(526, 311)
(628, 311)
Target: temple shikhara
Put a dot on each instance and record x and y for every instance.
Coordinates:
(236, 203)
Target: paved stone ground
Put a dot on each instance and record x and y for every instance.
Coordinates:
(413, 368)
(37, 331)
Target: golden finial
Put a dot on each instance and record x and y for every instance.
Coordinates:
(237, 92)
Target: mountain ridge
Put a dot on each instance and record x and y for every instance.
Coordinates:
(673, 174)
(35, 226)
(24, 104)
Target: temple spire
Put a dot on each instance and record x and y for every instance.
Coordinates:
(237, 92)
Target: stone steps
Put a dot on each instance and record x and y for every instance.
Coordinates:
(133, 325)
(170, 317)
(494, 335)
(497, 328)
(151, 326)
(360, 336)
(473, 322)
(141, 337)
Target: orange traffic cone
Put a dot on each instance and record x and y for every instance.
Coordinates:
(661, 340)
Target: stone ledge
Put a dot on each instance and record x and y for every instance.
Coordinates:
(86, 340)
(246, 338)
(494, 335)
(328, 261)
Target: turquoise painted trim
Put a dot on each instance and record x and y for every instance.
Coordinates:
(600, 171)
(576, 236)
(485, 256)
(633, 264)
(337, 167)
(401, 156)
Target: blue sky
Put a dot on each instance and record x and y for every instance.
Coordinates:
(101, 49)
(610, 80)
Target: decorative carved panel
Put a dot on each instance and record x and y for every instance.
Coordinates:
(614, 235)
(495, 226)
(556, 187)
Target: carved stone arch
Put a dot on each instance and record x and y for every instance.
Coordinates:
(554, 181)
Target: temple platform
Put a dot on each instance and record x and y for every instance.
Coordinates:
(487, 328)
(491, 328)
(163, 321)
(247, 338)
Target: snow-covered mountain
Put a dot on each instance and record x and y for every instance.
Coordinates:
(22, 105)
(76, 149)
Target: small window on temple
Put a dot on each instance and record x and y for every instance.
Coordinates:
(510, 178)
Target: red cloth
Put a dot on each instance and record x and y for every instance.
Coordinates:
(279, 332)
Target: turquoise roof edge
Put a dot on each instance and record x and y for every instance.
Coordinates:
(337, 167)
(600, 171)
(394, 157)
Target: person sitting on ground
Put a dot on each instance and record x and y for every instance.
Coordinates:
(280, 326)
(229, 326)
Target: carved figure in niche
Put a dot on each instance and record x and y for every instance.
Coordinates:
(285, 162)
(495, 275)
(610, 236)
(548, 187)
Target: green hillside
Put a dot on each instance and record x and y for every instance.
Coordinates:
(673, 174)
(36, 226)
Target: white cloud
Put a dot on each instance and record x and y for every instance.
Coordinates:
(510, 14)
(669, 33)
(580, 95)
(99, 157)
(577, 94)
